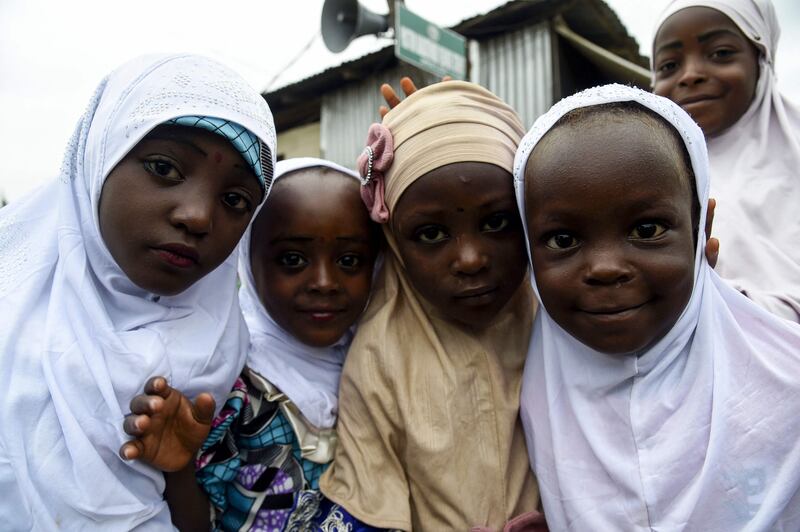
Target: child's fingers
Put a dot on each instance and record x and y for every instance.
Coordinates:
(408, 86)
(383, 110)
(712, 206)
(131, 450)
(712, 252)
(157, 386)
(136, 425)
(147, 404)
(389, 95)
(203, 408)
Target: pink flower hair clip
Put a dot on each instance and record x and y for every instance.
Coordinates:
(373, 163)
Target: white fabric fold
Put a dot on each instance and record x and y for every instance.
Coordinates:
(698, 432)
(309, 376)
(78, 339)
(755, 166)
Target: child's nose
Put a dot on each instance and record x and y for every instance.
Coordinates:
(693, 72)
(470, 258)
(194, 213)
(323, 279)
(607, 267)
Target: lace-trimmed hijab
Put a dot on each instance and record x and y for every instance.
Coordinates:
(78, 339)
(309, 376)
(699, 431)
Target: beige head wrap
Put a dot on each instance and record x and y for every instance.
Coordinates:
(429, 435)
(441, 124)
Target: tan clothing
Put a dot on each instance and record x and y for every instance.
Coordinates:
(429, 435)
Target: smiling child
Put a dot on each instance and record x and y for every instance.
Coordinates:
(306, 269)
(121, 269)
(655, 396)
(429, 435)
(716, 59)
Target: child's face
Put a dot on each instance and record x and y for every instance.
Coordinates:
(175, 206)
(704, 64)
(459, 235)
(312, 253)
(610, 231)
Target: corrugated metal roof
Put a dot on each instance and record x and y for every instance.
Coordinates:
(347, 113)
(318, 59)
(300, 102)
(518, 67)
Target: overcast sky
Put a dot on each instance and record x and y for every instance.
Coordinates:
(54, 52)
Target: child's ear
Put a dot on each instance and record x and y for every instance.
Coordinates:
(712, 244)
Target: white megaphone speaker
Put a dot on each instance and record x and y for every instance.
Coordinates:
(344, 20)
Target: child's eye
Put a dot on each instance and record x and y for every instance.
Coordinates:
(666, 67)
(723, 53)
(292, 260)
(430, 234)
(496, 222)
(647, 231)
(349, 262)
(162, 168)
(236, 201)
(561, 241)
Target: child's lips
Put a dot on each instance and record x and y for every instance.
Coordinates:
(696, 98)
(178, 255)
(613, 312)
(476, 296)
(322, 314)
(696, 103)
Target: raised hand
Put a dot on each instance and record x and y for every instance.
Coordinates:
(168, 428)
(391, 97)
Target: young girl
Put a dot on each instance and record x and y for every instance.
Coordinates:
(429, 436)
(306, 269)
(121, 269)
(716, 60)
(655, 396)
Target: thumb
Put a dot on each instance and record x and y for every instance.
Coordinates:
(203, 408)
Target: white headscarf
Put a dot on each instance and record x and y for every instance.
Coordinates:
(78, 339)
(309, 376)
(699, 432)
(756, 169)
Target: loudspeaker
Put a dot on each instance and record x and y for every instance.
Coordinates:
(344, 20)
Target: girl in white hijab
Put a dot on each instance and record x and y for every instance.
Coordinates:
(306, 270)
(121, 269)
(655, 396)
(716, 59)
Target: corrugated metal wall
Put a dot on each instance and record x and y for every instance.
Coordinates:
(347, 113)
(518, 67)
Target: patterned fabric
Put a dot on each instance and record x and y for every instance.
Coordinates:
(247, 144)
(253, 472)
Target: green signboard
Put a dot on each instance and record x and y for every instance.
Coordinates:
(438, 50)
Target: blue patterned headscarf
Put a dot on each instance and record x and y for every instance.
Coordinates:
(255, 153)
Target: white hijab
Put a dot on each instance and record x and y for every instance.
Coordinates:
(78, 339)
(756, 170)
(309, 376)
(698, 432)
